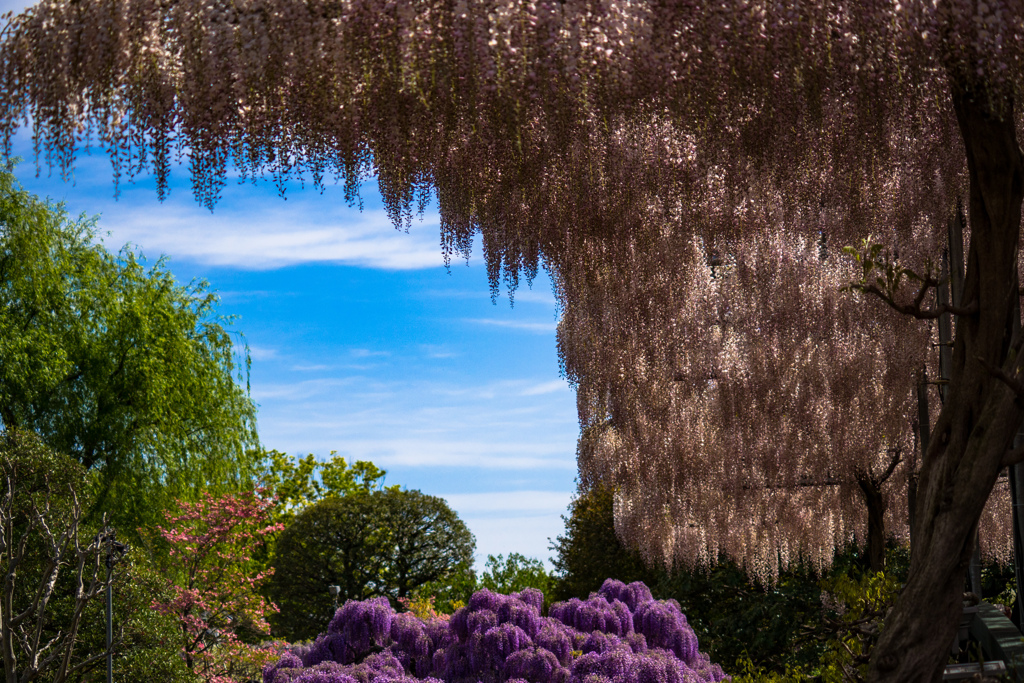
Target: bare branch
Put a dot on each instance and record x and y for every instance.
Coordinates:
(897, 457)
(914, 309)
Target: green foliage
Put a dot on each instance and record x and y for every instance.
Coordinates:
(387, 542)
(590, 552)
(148, 650)
(860, 603)
(774, 626)
(735, 619)
(297, 483)
(51, 563)
(514, 573)
(451, 591)
(115, 364)
(746, 671)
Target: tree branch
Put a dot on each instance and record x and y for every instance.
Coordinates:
(914, 309)
(897, 457)
(1012, 457)
(1012, 381)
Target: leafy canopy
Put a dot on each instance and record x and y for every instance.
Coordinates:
(380, 543)
(296, 483)
(116, 364)
(515, 573)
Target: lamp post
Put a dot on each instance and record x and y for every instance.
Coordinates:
(115, 551)
(334, 591)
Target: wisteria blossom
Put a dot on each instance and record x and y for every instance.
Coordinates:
(620, 634)
(581, 136)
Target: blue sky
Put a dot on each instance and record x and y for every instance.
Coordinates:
(363, 343)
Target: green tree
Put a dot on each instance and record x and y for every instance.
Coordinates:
(40, 485)
(451, 591)
(52, 571)
(117, 365)
(297, 482)
(514, 573)
(772, 627)
(590, 552)
(388, 543)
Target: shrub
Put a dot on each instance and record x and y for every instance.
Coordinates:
(387, 543)
(620, 633)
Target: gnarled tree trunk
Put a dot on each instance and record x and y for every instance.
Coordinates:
(876, 505)
(973, 433)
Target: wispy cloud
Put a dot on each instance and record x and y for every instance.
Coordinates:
(510, 503)
(295, 391)
(437, 351)
(245, 296)
(446, 452)
(311, 368)
(503, 535)
(541, 295)
(262, 352)
(264, 235)
(536, 327)
(505, 522)
(535, 296)
(545, 388)
(367, 353)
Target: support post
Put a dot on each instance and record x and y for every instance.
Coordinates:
(950, 288)
(924, 429)
(1016, 487)
(110, 618)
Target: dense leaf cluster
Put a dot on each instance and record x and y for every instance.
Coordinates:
(378, 543)
(117, 365)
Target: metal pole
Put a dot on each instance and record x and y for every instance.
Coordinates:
(1016, 484)
(924, 438)
(110, 616)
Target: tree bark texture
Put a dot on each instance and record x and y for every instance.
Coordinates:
(876, 522)
(981, 415)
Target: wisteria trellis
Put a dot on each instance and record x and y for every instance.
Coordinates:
(565, 131)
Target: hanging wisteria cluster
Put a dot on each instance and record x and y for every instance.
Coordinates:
(625, 144)
(620, 634)
(741, 388)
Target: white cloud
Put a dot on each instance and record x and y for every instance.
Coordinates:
(510, 503)
(437, 351)
(263, 234)
(503, 535)
(535, 296)
(541, 295)
(294, 391)
(448, 452)
(262, 352)
(367, 353)
(538, 327)
(545, 388)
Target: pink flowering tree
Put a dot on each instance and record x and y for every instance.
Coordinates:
(215, 584)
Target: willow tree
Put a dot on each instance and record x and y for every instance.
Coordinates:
(116, 365)
(539, 123)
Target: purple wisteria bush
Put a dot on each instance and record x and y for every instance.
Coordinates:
(620, 634)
